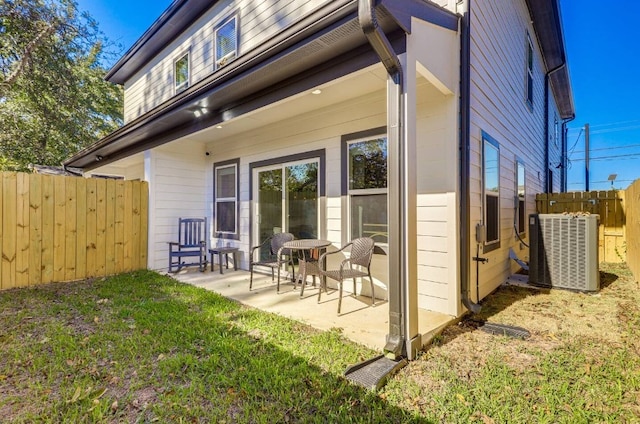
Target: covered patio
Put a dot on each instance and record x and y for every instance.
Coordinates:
(359, 321)
(326, 148)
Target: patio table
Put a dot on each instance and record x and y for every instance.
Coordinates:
(308, 259)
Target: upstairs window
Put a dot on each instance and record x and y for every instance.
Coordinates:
(520, 192)
(181, 73)
(529, 82)
(491, 187)
(226, 42)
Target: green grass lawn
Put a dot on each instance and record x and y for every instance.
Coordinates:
(142, 347)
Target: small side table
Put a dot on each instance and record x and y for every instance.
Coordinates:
(224, 251)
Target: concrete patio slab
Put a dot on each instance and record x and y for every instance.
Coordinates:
(359, 321)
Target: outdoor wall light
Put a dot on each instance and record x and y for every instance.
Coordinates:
(199, 112)
(99, 158)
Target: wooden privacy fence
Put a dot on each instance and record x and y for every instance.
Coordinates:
(608, 204)
(55, 228)
(632, 214)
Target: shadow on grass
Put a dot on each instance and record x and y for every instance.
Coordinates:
(165, 351)
(606, 279)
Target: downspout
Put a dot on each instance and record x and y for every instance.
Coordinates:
(546, 126)
(395, 346)
(565, 153)
(546, 134)
(465, 146)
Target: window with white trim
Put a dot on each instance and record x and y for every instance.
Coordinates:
(181, 73)
(367, 188)
(529, 77)
(491, 188)
(226, 42)
(521, 192)
(226, 198)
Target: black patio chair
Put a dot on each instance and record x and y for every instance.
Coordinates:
(192, 243)
(275, 257)
(361, 253)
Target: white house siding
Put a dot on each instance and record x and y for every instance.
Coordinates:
(437, 166)
(258, 21)
(177, 181)
(498, 107)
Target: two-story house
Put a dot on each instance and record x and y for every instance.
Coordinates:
(427, 125)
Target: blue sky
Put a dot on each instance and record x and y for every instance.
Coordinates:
(604, 58)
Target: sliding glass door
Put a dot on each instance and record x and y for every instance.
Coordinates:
(286, 199)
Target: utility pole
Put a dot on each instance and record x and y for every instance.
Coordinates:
(586, 157)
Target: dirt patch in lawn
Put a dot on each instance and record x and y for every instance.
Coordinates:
(580, 344)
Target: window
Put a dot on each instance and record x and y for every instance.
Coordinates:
(520, 192)
(367, 188)
(226, 42)
(181, 73)
(491, 184)
(556, 134)
(529, 81)
(226, 199)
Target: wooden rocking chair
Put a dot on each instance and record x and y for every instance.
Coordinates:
(192, 243)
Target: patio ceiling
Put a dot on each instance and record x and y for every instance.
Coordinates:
(334, 92)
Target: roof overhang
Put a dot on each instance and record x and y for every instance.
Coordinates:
(323, 46)
(547, 22)
(178, 16)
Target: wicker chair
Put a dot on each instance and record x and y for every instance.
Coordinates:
(361, 253)
(277, 255)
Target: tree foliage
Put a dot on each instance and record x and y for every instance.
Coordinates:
(53, 98)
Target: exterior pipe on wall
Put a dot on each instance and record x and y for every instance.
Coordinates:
(565, 159)
(465, 146)
(396, 345)
(547, 184)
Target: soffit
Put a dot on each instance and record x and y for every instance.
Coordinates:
(547, 22)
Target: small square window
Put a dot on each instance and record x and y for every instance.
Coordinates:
(226, 42)
(181, 73)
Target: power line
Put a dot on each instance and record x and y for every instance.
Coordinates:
(621, 157)
(605, 131)
(600, 182)
(609, 124)
(609, 148)
(576, 142)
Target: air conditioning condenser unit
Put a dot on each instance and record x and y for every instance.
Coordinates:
(563, 251)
